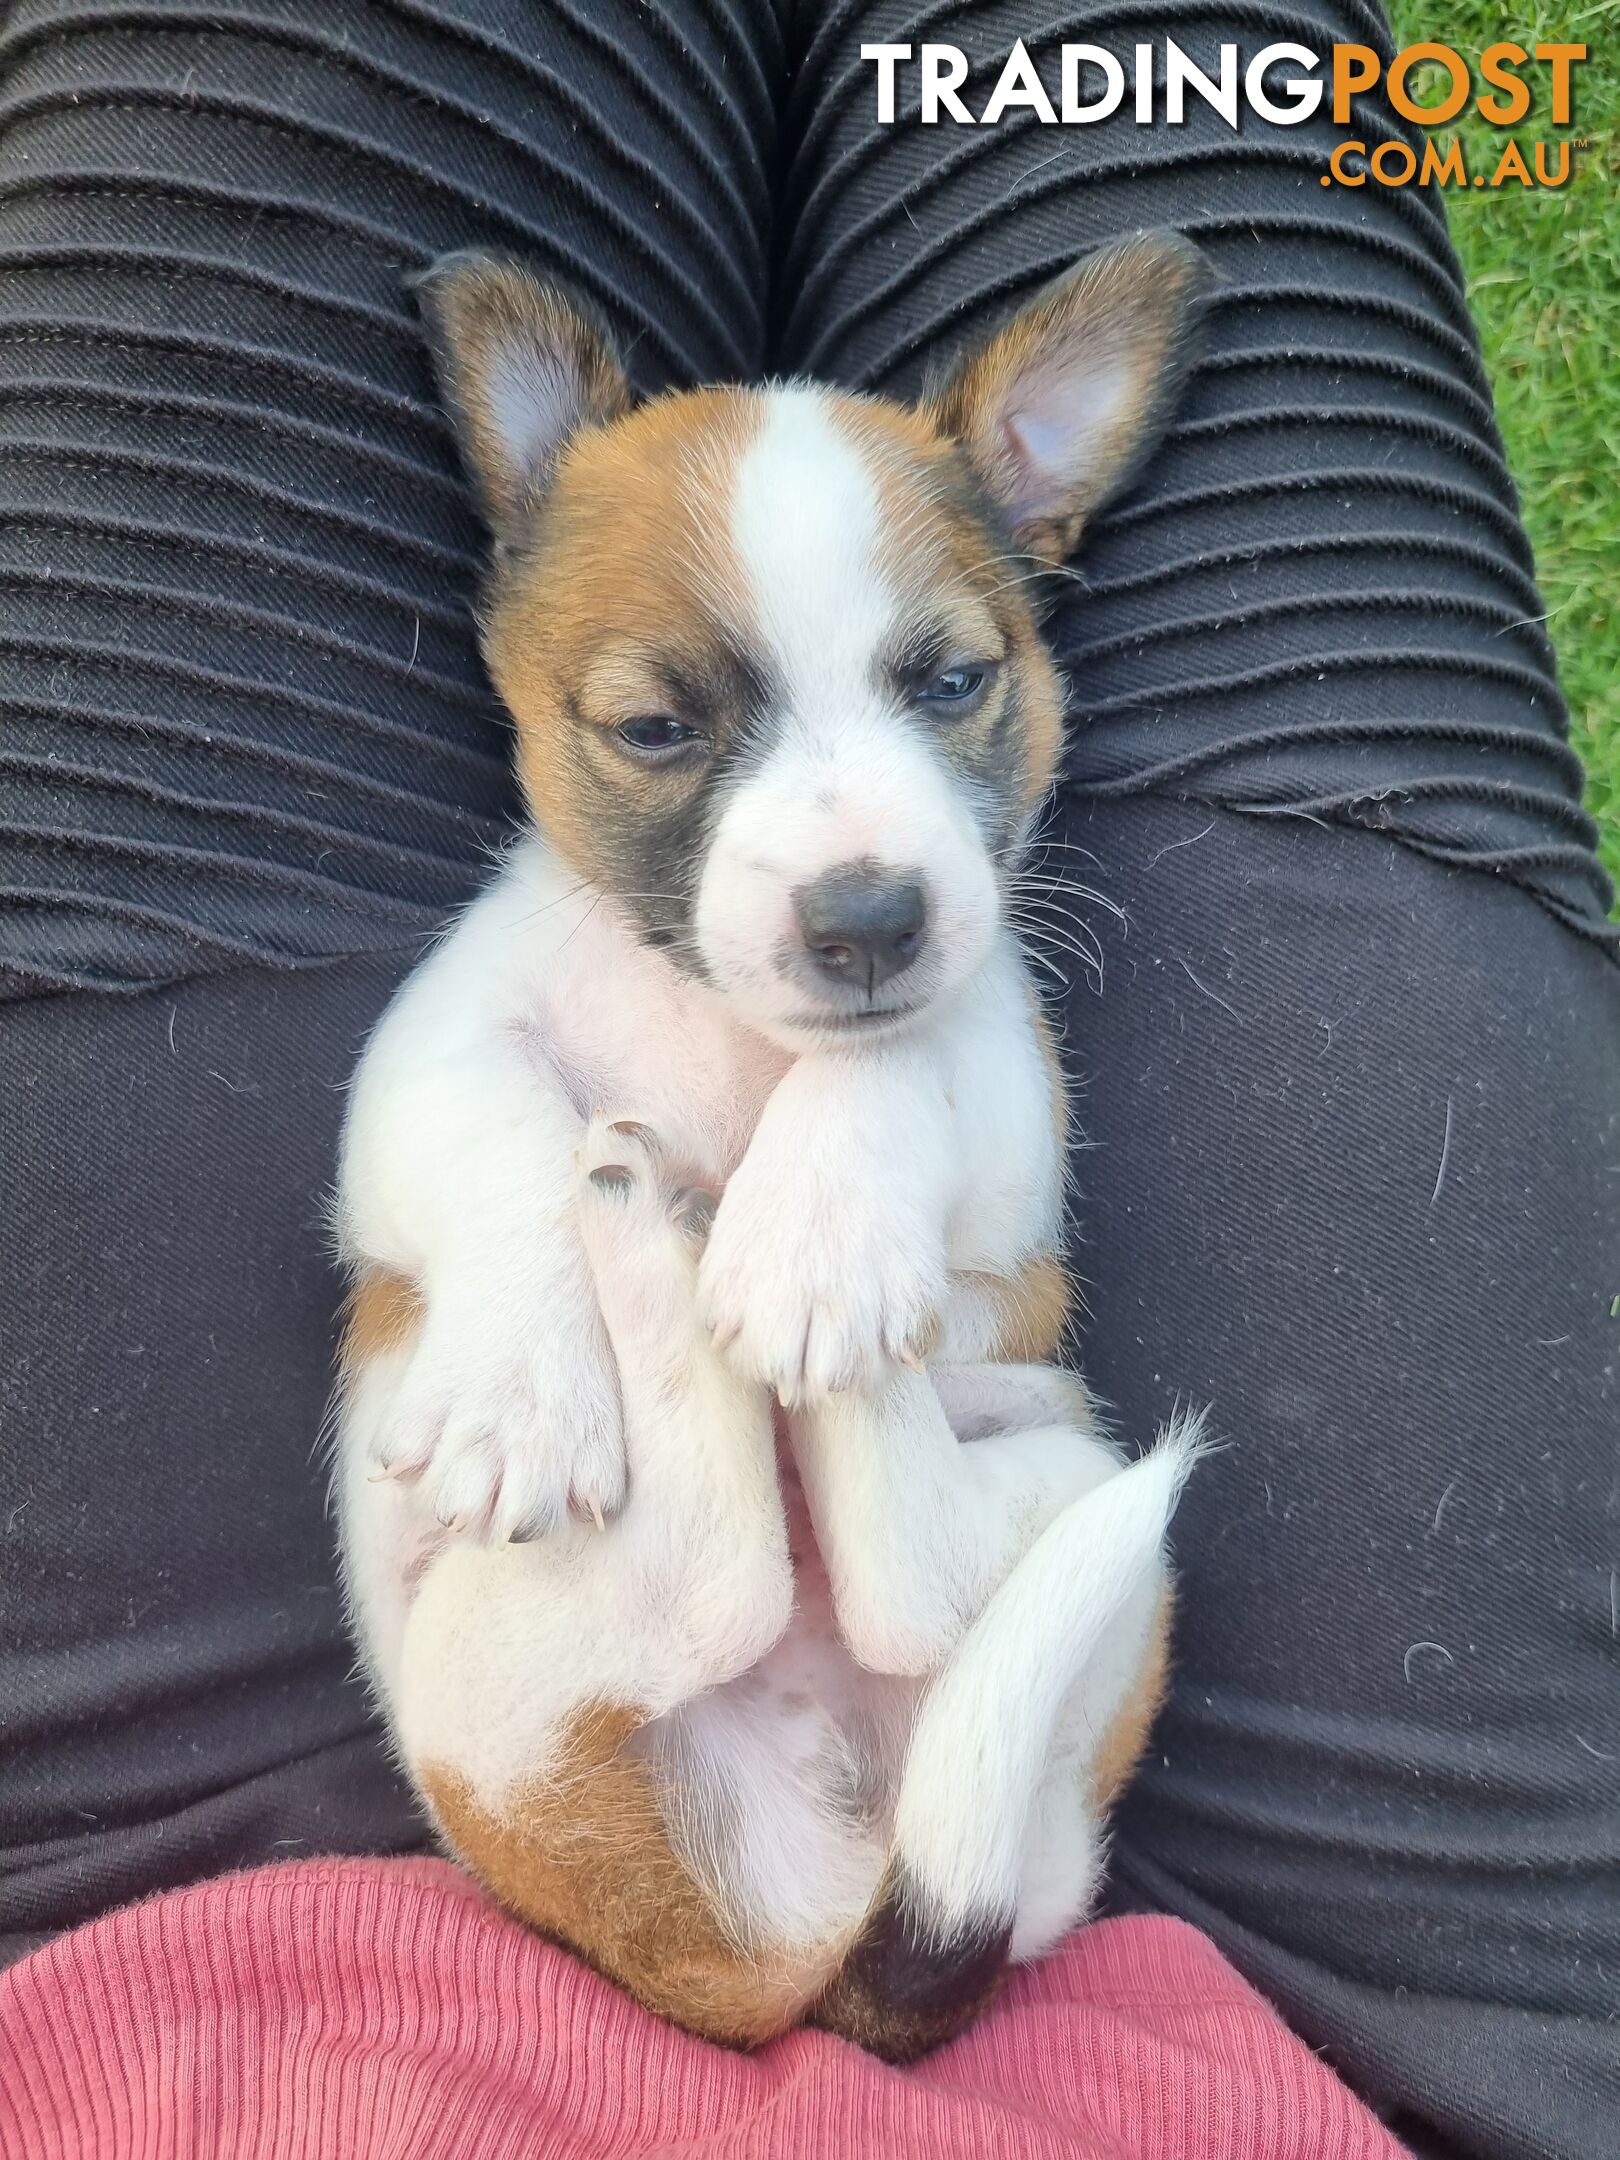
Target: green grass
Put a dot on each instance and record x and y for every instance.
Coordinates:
(1543, 271)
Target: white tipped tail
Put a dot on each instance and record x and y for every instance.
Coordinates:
(986, 1726)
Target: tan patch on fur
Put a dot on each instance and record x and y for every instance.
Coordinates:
(1125, 1739)
(1029, 1310)
(581, 1853)
(579, 639)
(582, 637)
(384, 1313)
(942, 562)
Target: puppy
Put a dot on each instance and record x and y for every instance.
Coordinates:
(753, 1610)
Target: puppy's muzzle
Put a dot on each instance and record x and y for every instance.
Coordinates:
(861, 925)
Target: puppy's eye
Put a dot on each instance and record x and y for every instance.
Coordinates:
(655, 734)
(955, 686)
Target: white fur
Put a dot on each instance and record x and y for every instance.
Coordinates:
(792, 1775)
(532, 401)
(1062, 1636)
(690, 1590)
(574, 1357)
(849, 776)
(457, 1173)
(892, 1161)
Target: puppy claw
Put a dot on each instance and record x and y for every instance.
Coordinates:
(540, 1522)
(913, 1346)
(398, 1469)
(694, 1213)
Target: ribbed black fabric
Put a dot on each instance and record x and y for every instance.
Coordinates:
(241, 712)
(1321, 602)
(243, 715)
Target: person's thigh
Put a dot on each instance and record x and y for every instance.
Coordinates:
(248, 760)
(175, 1690)
(243, 714)
(1350, 1077)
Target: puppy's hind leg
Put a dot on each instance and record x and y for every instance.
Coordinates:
(1034, 1677)
(531, 1673)
(918, 1528)
(705, 1520)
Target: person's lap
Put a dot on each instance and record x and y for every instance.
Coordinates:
(1346, 1075)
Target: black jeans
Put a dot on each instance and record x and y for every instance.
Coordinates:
(1349, 1067)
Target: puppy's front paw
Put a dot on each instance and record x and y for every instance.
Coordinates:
(814, 1292)
(505, 1439)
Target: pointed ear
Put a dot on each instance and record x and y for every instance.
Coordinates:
(522, 368)
(1059, 410)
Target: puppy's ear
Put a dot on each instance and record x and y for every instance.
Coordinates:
(1059, 410)
(523, 368)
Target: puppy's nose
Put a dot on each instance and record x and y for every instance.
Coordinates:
(862, 925)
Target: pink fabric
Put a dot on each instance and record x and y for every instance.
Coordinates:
(374, 2010)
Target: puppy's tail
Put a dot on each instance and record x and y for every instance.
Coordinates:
(936, 1939)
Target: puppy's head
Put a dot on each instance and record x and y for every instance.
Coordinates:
(772, 657)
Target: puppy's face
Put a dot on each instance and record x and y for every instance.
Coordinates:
(776, 677)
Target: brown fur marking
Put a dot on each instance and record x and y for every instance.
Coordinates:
(480, 310)
(1030, 1310)
(582, 1855)
(619, 601)
(384, 1313)
(946, 566)
(613, 607)
(1125, 1739)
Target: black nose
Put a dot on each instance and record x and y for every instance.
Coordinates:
(862, 925)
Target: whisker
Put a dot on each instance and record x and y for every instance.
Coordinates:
(583, 920)
(1046, 961)
(1054, 892)
(1046, 845)
(1070, 940)
(534, 914)
(1091, 954)
(1090, 966)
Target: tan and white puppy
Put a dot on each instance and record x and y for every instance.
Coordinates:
(708, 1176)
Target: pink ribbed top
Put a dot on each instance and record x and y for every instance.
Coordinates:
(383, 2010)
